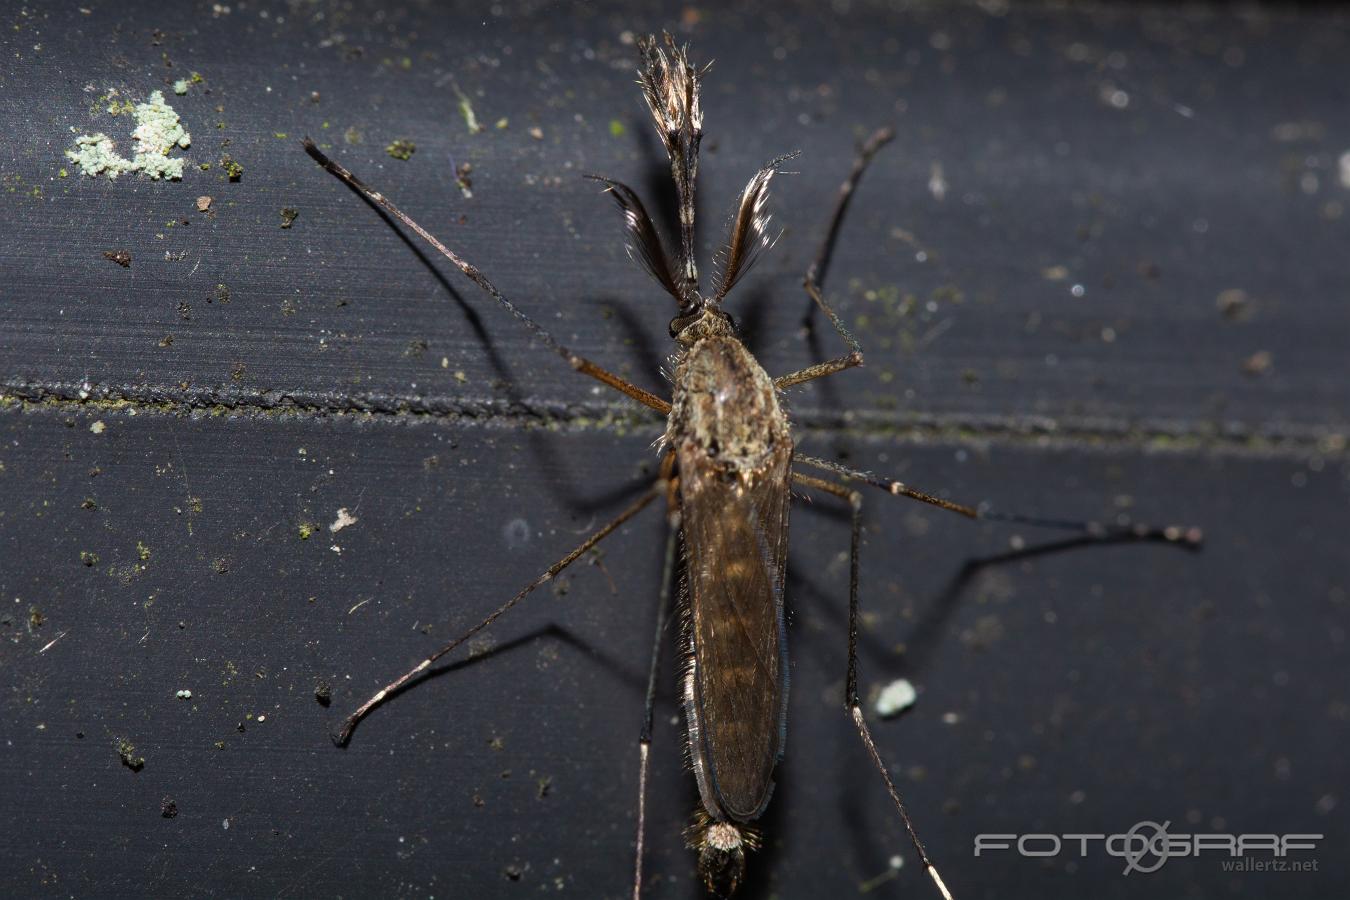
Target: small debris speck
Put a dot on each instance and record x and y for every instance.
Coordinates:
(1258, 363)
(121, 257)
(344, 518)
(97, 427)
(323, 693)
(1234, 304)
(203, 203)
(168, 808)
(184, 695)
(288, 216)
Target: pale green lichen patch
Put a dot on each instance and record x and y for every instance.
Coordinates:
(158, 132)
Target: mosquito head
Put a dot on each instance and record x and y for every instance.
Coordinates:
(705, 320)
(721, 850)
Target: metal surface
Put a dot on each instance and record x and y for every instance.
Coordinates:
(165, 505)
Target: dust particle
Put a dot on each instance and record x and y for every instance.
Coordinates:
(97, 427)
(121, 257)
(1234, 304)
(203, 203)
(1259, 363)
(288, 216)
(168, 808)
(323, 693)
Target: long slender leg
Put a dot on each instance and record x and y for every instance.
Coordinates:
(648, 714)
(851, 701)
(815, 275)
(345, 733)
(579, 363)
(1186, 535)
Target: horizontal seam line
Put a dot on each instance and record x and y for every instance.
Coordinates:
(1222, 438)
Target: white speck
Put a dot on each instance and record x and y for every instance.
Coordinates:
(97, 427)
(937, 182)
(1345, 169)
(1118, 98)
(1078, 290)
(344, 518)
(951, 718)
(336, 549)
(895, 698)
(225, 823)
(897, 862)
(184, 695)
(262, 718)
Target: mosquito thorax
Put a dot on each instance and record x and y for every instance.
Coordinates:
(724, 405)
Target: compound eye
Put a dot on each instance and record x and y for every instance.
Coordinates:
(680, 323)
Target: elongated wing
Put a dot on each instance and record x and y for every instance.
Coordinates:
(735, 539)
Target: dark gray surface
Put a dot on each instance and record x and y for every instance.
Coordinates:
(1092, 688)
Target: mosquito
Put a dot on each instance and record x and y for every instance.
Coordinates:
(727, 478)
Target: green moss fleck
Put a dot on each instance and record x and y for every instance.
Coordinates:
(232, 169)
(466, 110)
(616, 128)
(401, 149)
(126, 751)
(142, 551)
